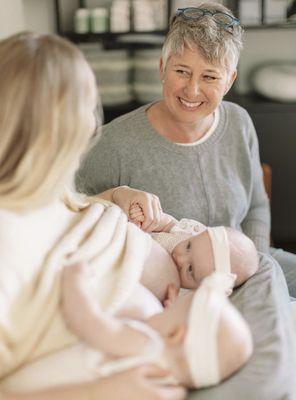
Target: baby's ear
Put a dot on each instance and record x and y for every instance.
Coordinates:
(177, 336)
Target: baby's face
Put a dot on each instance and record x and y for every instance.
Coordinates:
(194, 259)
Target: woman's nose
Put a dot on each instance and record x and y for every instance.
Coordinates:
(192, 88)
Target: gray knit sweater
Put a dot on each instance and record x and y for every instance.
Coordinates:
(217, 182)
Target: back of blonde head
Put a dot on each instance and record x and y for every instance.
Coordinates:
(217, 45)
(47, 92)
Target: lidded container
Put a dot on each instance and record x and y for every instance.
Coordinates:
(81, 20)
(99, 20)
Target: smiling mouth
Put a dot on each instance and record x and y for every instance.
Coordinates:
(189, 104)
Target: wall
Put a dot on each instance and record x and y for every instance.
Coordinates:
(261, 45)
(11, 17)
(18, 15)
(39, 15)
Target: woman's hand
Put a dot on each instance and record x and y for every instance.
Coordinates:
(133, 384)
(126, 197)
(136, 215)
(136, 384)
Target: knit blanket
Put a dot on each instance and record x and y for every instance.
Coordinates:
(34, 248)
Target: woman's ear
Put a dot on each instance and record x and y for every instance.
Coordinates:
(177, 336)
(231, 79)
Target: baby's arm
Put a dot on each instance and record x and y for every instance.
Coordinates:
(136, 216)
(86, 320)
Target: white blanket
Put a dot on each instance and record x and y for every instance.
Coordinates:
(33, 250)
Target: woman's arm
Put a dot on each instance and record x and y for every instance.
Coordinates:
(256, 225)
(90, 323)
(133, 384)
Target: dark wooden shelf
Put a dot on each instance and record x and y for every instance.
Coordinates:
(120, 40)
(280, 25)
(255, 102)
(86, 37)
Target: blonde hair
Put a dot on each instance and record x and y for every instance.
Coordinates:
(47, 95)
(216, 44)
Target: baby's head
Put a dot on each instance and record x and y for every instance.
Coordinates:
(206, 338)
(215, 249)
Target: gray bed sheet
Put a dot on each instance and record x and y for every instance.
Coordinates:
(270, 374)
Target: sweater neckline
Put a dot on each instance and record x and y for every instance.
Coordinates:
(149, 130)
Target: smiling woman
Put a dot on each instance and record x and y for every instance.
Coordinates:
(192, 90)
(199, 154)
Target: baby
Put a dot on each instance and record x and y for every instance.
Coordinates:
(198, 250)
(201, 338)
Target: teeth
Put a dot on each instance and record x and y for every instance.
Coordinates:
(189, 104)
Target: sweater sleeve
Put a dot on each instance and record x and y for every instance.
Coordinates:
(98, 166)
(256, 224)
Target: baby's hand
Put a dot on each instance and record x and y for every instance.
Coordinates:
(171, 295)
(136, 215)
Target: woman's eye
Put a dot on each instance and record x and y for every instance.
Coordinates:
(182, 72)
(188, 246)
(210, 78)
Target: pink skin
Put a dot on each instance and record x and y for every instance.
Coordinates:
(136, 215)
(192, 90)
(194, 259)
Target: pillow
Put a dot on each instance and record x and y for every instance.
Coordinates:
(276, 81)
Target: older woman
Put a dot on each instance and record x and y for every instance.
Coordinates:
(48, 96)
(197, 153)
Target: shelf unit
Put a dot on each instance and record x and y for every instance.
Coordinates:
(108, 39)
(111, 38)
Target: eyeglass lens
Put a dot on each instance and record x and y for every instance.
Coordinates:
(196, 13)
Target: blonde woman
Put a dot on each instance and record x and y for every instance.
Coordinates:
(48, 96)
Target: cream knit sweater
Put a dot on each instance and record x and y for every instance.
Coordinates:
(34, 248)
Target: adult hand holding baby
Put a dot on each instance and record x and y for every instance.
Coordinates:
(133, 384)
(125, 197)
(142, 384)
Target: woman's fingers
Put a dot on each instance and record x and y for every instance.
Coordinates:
(162, 391)
(171, 392)
(133, 202)
(148, 213)
(152, 220)
(138, 383)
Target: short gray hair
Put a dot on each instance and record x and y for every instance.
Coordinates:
(216, 44)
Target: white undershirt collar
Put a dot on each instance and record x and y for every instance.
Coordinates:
(208, 133)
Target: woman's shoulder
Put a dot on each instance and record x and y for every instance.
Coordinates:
(234, 109)
(27, 235)
(54, 214)
(236, 117)
(126, 123)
